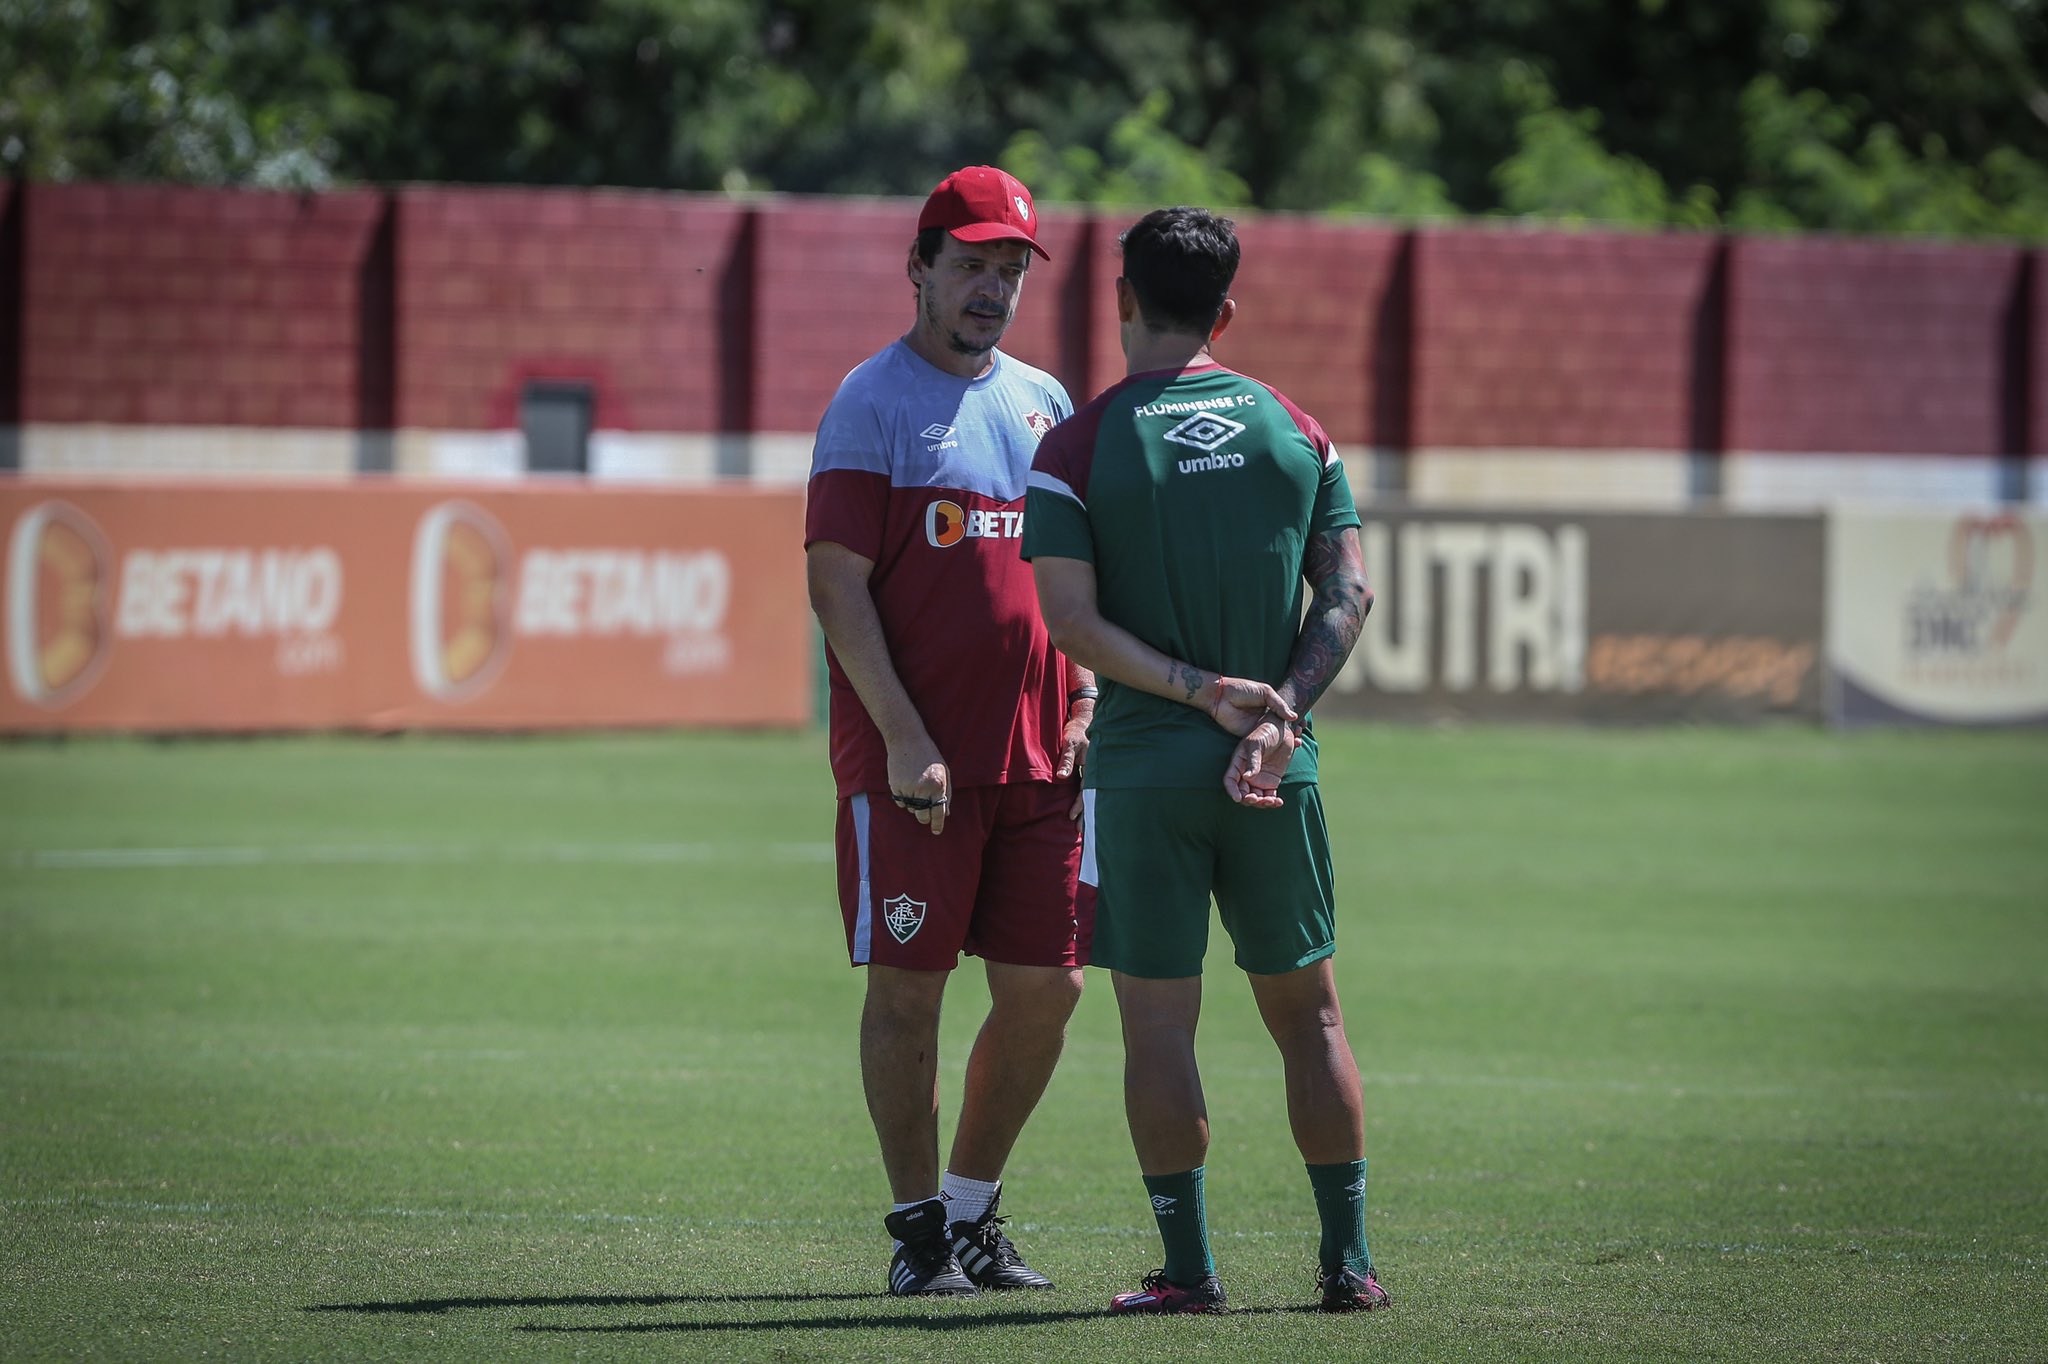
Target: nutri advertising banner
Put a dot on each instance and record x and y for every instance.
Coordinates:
(207, 607)
(1601, 616)
(1938, 617)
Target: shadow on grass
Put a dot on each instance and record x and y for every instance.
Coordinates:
(431, 1305)
(965, 1321)
(926, 1320)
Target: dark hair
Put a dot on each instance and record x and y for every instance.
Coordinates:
(1180, 262)
(928, 243)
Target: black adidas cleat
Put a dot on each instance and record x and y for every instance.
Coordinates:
(987, 1256)
(1349, 1291)
(923, 1265)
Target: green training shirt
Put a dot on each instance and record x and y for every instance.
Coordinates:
(1194, 493)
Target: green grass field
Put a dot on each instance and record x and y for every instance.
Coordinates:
(1679, 1045)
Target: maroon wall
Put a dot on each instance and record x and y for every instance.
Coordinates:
(836, 294)
(429, 307)
(200, 307)
(627, 292)
(1311, 297)
(2028, 401)
(1559, 340)
(10, 311)
(1869, 347)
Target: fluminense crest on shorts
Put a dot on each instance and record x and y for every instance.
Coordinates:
(1205, 431)
(904, 917)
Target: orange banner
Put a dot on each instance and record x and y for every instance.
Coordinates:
(384, 606)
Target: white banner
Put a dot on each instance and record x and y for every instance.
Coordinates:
(1938, 616)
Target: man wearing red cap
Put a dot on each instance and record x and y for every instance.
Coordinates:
(957, 731)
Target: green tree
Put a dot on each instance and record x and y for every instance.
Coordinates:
(1877, 115)
(182, 90)
(1561, 172)
(1146, 165)
(1817, 165)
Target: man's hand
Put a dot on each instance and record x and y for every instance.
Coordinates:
(1241, 703)
(1260, 761)
(920, 782)
(1074, 748)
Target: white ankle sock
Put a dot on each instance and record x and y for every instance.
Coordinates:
(967, 1199)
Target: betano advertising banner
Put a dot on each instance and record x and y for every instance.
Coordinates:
(1635, 617)
(209, 607)
(1938, 617)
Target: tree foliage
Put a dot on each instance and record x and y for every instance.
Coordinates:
(195, 91)
(1864, 115)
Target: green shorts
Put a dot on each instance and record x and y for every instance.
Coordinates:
(1156, 855)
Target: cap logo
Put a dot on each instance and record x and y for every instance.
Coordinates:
(1023, 208)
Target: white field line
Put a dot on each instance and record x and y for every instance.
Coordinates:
(411, 854)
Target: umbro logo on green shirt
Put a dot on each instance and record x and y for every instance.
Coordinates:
(1205, 431)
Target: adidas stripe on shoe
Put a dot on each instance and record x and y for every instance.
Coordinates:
(987, 1256)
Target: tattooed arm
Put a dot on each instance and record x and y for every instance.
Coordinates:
(1339, 598)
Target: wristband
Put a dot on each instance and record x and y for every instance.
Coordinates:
(1082, 694)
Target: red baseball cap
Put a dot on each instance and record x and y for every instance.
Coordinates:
(983, 204)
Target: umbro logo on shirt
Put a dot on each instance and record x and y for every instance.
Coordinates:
(1205, 431)
(939, 436)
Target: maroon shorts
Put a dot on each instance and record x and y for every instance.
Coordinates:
(1001, 883)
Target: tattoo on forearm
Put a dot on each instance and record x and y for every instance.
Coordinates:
(1188, 677)
(1340, 597)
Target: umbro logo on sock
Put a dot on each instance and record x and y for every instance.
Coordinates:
(1357, 1188)
(1162, 1204)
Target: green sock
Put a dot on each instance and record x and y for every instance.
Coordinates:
(1183, 1225)
(1340, 1203)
